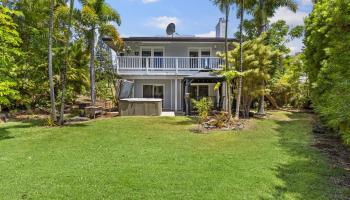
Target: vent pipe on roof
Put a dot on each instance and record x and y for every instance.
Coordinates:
(220, 28)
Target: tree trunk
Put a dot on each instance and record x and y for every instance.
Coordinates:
(228, 87)
(92, 67)
(261, 108)
(52, 90)
(64, 71)
(246, 102)
(238, 101)
(272, 101)
(261, 29)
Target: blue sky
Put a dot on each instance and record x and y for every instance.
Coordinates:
(192, 17)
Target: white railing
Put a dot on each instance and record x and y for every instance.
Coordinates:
(138, 63)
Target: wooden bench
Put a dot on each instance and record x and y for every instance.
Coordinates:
(93, 111)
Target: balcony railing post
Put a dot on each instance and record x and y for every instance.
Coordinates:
(118, 58)
(147, 65)
(177, 65)
(199, 63)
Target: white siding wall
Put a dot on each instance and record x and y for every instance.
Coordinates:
(177, 49)
(169, 91)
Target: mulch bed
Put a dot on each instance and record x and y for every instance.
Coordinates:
(330, 144)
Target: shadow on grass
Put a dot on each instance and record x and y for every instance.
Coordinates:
(5, 129)
(76, 125)
(307, 175)
(187, 121)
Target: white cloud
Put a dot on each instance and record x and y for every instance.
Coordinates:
(209, 34)
(162, 22)
(149, 1)
(291, 18)
(305, 3)
(295, 46)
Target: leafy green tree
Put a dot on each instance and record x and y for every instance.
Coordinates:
(277, 35)
(66, 63)
(107, 78)
(77, 71)
(327, 56)
(32, 70)
(261, 10)
(96, 14)
(257, 60)
(9, 49)
(289, 86)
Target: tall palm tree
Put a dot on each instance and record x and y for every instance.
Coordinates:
(239, 93)
(261, 10)
(96, 14)
(52, 90)
(64, 71)
(224, 6)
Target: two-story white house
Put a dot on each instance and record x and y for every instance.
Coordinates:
(169, 67)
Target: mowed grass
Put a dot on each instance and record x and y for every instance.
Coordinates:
(159, 158)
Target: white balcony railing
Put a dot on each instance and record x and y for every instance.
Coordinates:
(173, 64)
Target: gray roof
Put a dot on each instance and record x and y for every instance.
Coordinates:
(205, 75)
(177, 39)
(109, 42)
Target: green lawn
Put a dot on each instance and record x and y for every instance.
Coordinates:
(158, 158)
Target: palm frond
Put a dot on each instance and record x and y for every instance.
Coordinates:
(223, 4)
(108, 14)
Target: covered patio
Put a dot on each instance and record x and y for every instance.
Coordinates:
(203, 77)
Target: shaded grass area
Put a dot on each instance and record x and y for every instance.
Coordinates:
(159, 158)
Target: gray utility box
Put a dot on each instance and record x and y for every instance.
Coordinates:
(140, 107)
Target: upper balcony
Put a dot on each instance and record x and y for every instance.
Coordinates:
(137, 65)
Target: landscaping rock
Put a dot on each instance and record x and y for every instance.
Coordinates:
(3, 117)
(78, 119)
(111, 114)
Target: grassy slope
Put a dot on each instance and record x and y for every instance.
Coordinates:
(158, 158)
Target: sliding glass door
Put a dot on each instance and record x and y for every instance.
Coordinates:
(153, 91)
(199, 58)
(158, 58)
(146, 53)
(153, 56)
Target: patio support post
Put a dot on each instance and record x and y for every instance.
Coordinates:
(220, 98)
(175, 103)
(187, 96)
(224, 95)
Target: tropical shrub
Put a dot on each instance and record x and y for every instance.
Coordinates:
(9, 48)
(257, 61)
(203, 107)
(289, 86)
(327, 56)
(220, 120)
